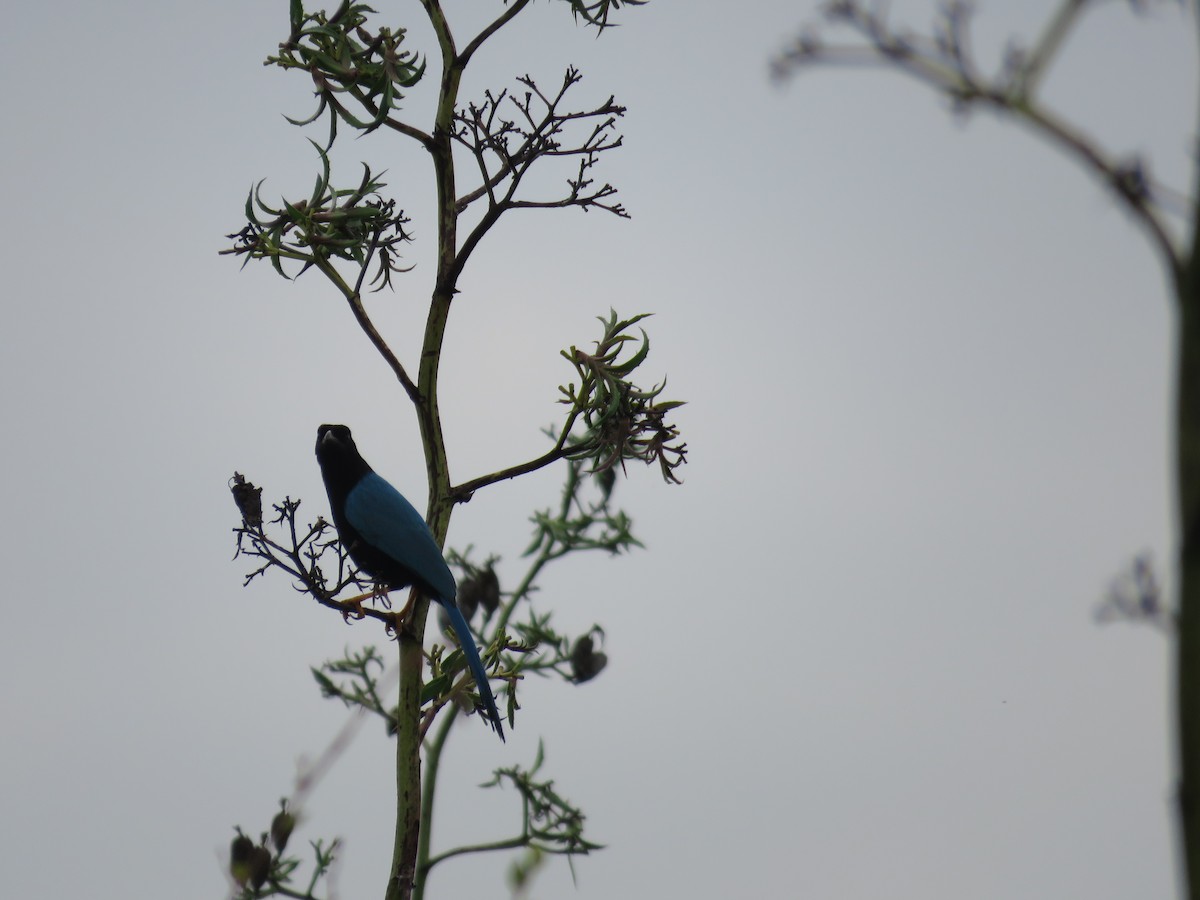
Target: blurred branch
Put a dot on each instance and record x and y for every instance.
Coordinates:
(1135, 596)
(944, 60)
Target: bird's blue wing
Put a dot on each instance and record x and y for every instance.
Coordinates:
(390, 524)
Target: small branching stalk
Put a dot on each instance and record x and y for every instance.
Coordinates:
(354, 679)
(505, 149)
(550, 824)
(304, 552)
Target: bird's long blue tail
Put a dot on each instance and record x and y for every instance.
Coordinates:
(463, 632)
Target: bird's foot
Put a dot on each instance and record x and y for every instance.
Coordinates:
(380, 595)
(354, 606)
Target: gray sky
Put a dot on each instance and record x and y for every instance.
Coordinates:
(928, 374)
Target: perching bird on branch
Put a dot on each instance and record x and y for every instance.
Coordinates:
(387, 538)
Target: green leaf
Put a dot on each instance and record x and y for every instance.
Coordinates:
(435, 688)
(325, 683)
(637, 359)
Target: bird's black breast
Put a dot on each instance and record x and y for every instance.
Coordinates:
(375, 562)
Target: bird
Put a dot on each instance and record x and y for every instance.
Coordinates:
(389, 540)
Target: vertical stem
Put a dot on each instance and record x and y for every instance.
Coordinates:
(427, 796)
(1187, 473)
(1188, 658)
(1188, 650)
(444, 286)
(403, 876)
(408, 756)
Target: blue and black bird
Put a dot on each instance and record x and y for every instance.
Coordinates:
(387, 538)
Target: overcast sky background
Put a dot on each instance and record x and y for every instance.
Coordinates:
(927, 367)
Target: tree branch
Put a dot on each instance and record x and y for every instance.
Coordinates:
(462, 493)
(507, 16)
(354, 300)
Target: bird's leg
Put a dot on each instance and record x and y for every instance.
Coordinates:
(353, 606)
(406, 610)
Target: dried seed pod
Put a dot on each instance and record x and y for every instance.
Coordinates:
(248, 499)
(260, 866)
(240, 853)
(586, 662)
(281, 827)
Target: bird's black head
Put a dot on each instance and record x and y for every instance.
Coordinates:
(341, 464)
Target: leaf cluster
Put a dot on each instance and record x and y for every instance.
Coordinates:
(622, 421)
(597, 12)
(347, 60)
(354, 224)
